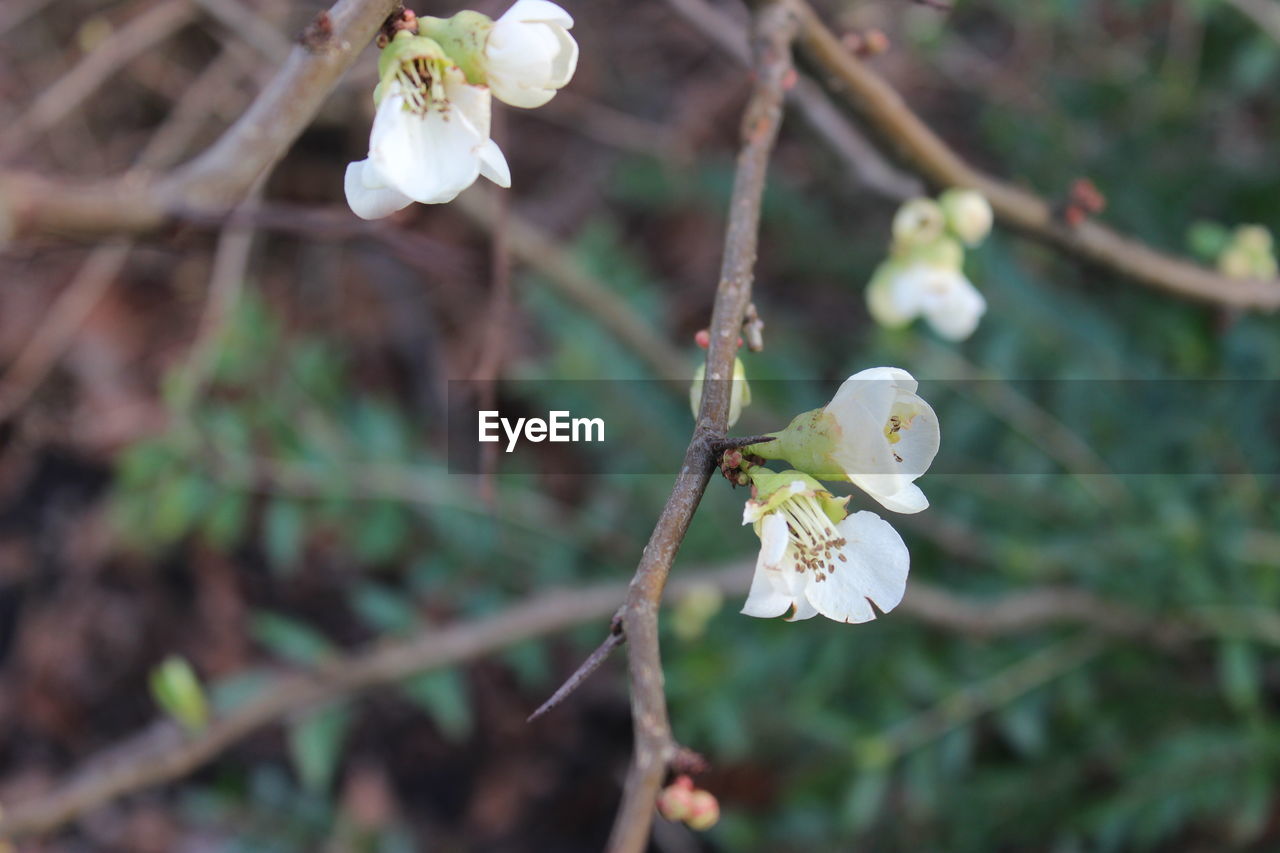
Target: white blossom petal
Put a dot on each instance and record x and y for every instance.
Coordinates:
(767, 597)
(367, 198)
(493, 165)
(774, 539)
(954, 313)
(875, 570)
(889, 436)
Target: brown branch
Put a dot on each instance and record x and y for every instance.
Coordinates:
(161, 753)
(654, 745)
(864, 163)
(889, 117)
(223, 174)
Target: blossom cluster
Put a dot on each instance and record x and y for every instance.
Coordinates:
(815, 556)
(430, 138)
(924, 273)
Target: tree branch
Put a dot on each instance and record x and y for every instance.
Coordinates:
(888, 116)
(223, 174)
(654, 745)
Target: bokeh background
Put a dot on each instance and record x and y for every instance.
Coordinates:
(239, 456)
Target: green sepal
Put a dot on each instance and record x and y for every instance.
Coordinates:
(463, 38)
(809, 443)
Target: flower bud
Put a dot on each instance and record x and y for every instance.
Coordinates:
(675, 802)
(1236, 262)
(968, 214)
(1253, 238)
(704, 811)
(917, 222)
(529, 54)
(738, 400)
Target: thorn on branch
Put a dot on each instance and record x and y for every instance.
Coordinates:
(585, 669)
(720, 446)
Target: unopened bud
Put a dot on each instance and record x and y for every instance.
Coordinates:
(703, 338)
(675, 802)
(1253, 238)
(704, 811)
(739, 398)
(874, 43)
(917, 222)
(968, 214)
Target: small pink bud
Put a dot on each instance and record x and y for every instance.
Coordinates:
(704, 810)
(733, 458)
(675, 802)
(703, 339)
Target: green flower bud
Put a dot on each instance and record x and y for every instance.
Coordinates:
(917, 222)
(968, 214)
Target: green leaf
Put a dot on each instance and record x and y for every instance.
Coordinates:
(443, 696)
(284, 531)
(1239, 674)
(290, 639)
(315, 745)
(225, 523)
(381, 532)
(385, 610)
(178, 692)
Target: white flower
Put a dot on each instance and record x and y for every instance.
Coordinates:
(968, 214)
(810, 564)
(900, 292)
(887, 436)
(430, 138)
(529, 53)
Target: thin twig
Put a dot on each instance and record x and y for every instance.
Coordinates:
(533, 246)
(903, 131)
(65, 318)
(864, 163)
(71, 89)
(654, 745)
